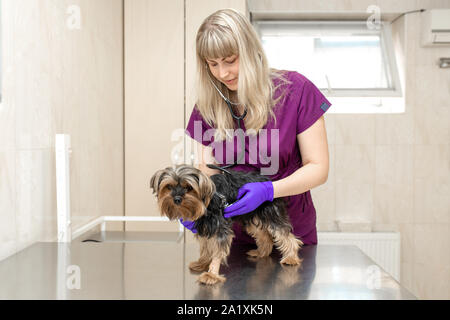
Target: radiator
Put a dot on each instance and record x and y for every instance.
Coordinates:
(382, 247)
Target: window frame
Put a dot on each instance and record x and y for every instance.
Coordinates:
(386, 46)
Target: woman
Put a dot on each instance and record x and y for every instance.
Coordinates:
(283, 104)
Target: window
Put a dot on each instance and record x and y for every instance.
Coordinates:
(353, 65)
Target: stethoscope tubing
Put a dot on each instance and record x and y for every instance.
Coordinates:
(238, 118)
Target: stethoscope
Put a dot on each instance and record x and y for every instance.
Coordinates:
(238, 118)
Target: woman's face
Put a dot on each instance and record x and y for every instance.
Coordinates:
(225, 69)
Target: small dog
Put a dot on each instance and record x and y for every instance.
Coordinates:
(185, 192)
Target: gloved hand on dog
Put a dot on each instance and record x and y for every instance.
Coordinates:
(250, 196)
(189, 225)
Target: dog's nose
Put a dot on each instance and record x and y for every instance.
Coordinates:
(177, 199)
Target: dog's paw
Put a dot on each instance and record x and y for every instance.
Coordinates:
(291, 260)
(253, 253)
(256, 253)
(210, 278)
(197, 266)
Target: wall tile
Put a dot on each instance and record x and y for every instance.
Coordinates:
(432, 184)
(392, 203)
(432, 260)
(7, 204)
(355, 164)
(431, 4)
(324, 197)
(354, 129)
(408, 238)
(35, 208)
(385, 227)
(431, 201)
(431, 125)
(432, 162)
(430, 281)
(354, 201)
(394, 164)
(330, 126)
(324, 201)
(412, 35)
(7, 125)
(395, 129)
(432, 244)
(441, 97)
(406, 276)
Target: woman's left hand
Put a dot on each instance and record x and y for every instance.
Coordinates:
(250, 196)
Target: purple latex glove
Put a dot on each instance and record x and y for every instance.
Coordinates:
(189, 225)
(250, 196)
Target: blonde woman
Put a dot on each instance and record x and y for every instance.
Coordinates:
(283, 119)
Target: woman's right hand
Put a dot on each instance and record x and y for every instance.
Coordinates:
(189, 225)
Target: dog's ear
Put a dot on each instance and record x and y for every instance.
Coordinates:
(207, 187)
(156, 179)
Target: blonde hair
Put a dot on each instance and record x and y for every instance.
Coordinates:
(225, 33)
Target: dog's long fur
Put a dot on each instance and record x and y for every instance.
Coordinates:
(185, 192)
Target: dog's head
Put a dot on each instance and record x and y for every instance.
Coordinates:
(183, 192)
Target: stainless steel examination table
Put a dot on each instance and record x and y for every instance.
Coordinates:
(138, 265)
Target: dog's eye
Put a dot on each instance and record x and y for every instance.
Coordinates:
(188, 188)
(169, 187)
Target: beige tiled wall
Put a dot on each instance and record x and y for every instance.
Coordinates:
(59, 80)
(394, 170)
(426, 262)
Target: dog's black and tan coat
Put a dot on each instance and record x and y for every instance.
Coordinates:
(185, 192)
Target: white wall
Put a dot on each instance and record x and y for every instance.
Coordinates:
(58, 80)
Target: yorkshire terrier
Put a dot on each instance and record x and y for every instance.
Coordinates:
(186, 192)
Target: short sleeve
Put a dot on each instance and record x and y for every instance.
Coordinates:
(198, 129)
(312, 106)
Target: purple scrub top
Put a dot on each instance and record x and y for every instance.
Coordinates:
(302, 105)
